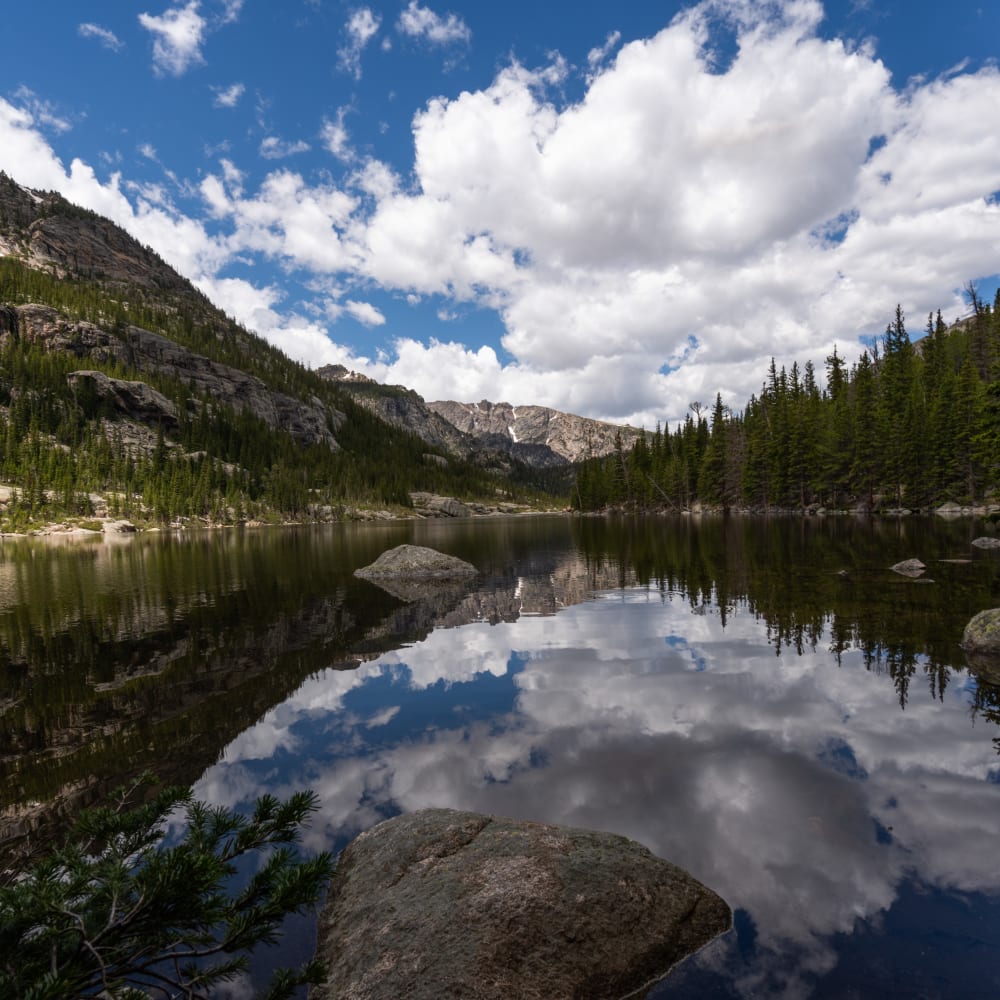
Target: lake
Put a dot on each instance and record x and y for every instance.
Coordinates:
(762, 702)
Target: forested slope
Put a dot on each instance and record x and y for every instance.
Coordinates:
(906, 425)
(119, 378)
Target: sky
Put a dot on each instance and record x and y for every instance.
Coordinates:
(612, 209)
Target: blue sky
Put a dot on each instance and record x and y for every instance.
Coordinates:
(614, 209)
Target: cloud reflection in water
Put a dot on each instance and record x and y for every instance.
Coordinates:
(794, 786)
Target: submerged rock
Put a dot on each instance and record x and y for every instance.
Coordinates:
(441, 903)
(416, 562)
(909, 567)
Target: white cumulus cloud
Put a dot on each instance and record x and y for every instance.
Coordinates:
(364, 312)
(424, 23)
(700, 207)
(274, 148)
(228, 97)
(178, 34)
(335, 136)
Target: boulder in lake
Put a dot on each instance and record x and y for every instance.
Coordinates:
(909, 567)
(440, 903)
(986, 542)
(416, 562)
(981, 637)
(118, 528)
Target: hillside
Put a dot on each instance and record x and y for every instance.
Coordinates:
(124, 391)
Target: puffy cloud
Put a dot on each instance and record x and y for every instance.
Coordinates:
(300, 338)
(274, 148)
(228, 97)
(361, 28)
(231, 10)
(105, 36)
(365, 313)
(737, 205)
(178, 35)
(288, 220)
(698, 210)
(424, 23)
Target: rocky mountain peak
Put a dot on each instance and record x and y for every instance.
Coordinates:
(567, 435)
(338, 373)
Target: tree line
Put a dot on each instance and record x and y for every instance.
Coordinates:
(906, 425)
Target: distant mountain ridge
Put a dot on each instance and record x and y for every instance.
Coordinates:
(571, 437)
(536, 435)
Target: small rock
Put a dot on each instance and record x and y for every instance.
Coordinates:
(950, 508)
(416, 562)
(986, 543)
(909, 567)
(441, 903)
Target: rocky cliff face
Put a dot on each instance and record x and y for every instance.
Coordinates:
(402, 408)
(46, 231)
(570, 437)
(309, 422)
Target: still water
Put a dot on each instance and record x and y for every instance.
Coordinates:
(762, 702)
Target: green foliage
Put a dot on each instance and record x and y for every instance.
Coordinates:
(908, 425)
(116, 913)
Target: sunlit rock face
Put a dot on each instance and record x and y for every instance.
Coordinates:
(447, 903)
(570, 437)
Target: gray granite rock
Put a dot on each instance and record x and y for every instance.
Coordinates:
(416, 562)
(986, 542)
(440, 903)
(982, 635)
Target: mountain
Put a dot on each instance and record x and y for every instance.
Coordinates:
(401, 407)
(565, 435)
(538, 436)
(124, 391)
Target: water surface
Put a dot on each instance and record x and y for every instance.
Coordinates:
(761, 702)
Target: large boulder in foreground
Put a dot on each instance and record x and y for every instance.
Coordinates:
(416, 562)
(981, 637)
(440, 903)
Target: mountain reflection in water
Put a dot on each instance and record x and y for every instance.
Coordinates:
(807, 743)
